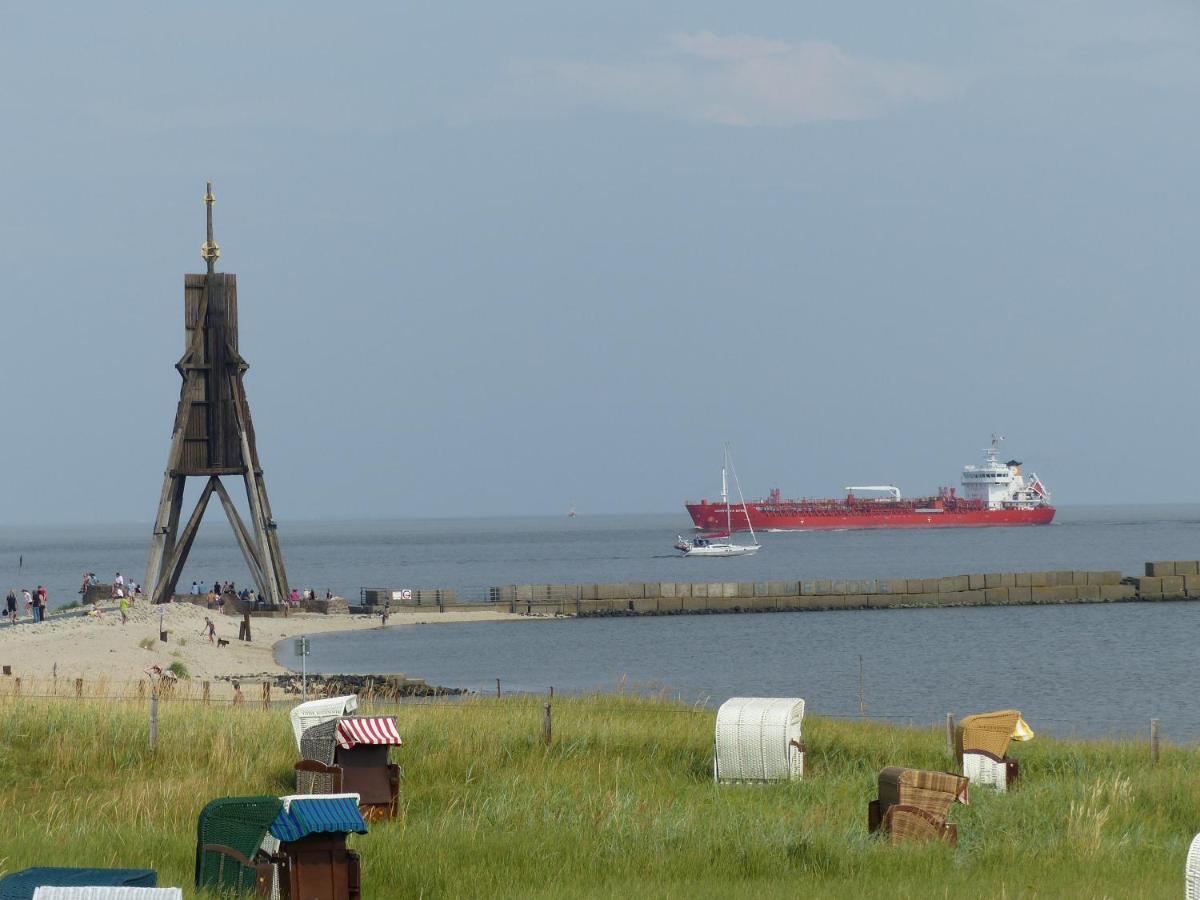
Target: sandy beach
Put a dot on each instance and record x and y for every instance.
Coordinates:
(100, 647)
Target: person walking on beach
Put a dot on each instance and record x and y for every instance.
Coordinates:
(124, 610)
(11, 606)
(28, 601)
(210, 629)
(41, 603)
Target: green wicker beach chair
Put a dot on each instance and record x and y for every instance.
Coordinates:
(229, 835)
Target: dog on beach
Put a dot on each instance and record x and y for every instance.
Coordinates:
(221, 642)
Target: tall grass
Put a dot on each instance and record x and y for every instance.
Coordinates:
(622, 804)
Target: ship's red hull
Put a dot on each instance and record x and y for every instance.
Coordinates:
(826, 515)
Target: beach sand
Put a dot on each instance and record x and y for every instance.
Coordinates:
(94, 648)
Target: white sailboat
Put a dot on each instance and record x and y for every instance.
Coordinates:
(722, 544)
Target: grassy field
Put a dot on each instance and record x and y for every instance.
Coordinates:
(621, 805)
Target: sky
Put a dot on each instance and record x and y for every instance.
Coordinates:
(499, 259)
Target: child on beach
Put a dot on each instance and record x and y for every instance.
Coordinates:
(124, 610)
(210, 629)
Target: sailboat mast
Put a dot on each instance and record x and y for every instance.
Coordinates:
(741, 497)
(725, 493)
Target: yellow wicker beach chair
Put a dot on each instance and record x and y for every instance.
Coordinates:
(981, 744)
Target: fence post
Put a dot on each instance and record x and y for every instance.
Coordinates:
(78, 687)
(1154, 741)
(950, 733)
(206, 688)
(237, 693)
(17, 688)
(153, 718)
(497, 688)
(266, 695)
(547, 726)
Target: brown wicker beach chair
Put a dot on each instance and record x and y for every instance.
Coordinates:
(921, 801)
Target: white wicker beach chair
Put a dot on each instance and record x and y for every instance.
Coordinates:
(107, 893)
(1191, 877)
(758, 739)
(314, 712)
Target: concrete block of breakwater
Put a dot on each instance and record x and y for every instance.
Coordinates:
(1088, 593)
(761, 589)
(644, 605)
(1172, 586)
(683, 589)
(1023, 579)
(1151, 597)
(588, 592)
(1117, 592)
(670, 604)
(996, 596)
(723, 604)
(1042, 594)
(784, 589)
(976, 582)
(949, 585)
(728, 589)
(1186, 567)
(915, 586)
(1160, 568)
(1191, 583)
(1021, 596)
(1078, 578)
(838, 586)
(693, 604)
(1008, 579)
(745, 589)
(822, 586)
(524, 592)
(650, 590)
(764, 602)
(1039, 579)
(666, 589)
(930, 585)
(993, 580)
(1149, 584)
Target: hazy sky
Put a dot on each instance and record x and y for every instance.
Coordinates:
(498, 258)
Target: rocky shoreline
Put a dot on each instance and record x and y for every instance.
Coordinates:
(389, 687)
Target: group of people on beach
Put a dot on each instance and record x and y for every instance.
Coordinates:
(35, 604)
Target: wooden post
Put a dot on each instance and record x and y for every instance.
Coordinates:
(237, 693)
(266, 695)
(547, 725)
(950, 733)
(78, 687)
(244, 631)
(551, 692)
(1154, 741)
(17, 688)
(206, 688)
(153, 719)
(497, 688)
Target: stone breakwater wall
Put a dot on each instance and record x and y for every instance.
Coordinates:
(979, 589)
(1170, 580)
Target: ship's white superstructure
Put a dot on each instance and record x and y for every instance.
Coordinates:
(1002, 485)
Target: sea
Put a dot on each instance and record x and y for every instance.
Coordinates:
(1088, 670)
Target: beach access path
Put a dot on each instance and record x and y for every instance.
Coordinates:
(93, 647)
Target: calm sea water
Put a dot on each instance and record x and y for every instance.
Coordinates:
(1093, 669)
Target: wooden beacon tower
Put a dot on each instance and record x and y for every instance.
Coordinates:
(213, 437)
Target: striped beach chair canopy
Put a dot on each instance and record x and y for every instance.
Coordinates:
(371, 730)
(303, 815)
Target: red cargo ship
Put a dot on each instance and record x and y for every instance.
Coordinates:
(995, 493)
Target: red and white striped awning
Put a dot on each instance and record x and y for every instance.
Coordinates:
(367, 730)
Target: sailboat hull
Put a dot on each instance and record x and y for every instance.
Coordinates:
(721, 550)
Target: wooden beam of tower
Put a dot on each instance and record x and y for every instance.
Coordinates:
(245, 541)
(174, 564)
